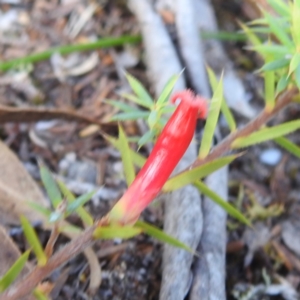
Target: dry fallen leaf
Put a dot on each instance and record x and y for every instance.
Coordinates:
(79, 19)
(32, 114)
(9, 253)
(16, 189)
(75, 65)
(255, 239)
(89, 130)
(21, 82)
(280, 182)
(290, 234)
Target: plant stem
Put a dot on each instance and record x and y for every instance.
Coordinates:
(105, 43)
(225, 146)
(77, 245)
(52, 239)
(28, 283)
(67, 49)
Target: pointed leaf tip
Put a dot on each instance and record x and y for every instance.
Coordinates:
(162, 236)
(143, 96)
(113, 231)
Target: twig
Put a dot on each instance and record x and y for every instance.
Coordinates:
(52, 240)
(27, 284)
(283, 100)
(76, 246)
(162, 60)
(31, 114)
(191, 46)
(209, 267)
(183, 216)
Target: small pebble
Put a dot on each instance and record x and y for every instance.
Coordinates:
(270, 157)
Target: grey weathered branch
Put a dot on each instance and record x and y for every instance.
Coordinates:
(182, 208)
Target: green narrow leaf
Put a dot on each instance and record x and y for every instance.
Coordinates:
(39, 295)
(133, 139)
(282, 84)
(168, 109)
(224, 107)
(162, 123)
(255, 41)
(280, 7)
(271, 49)
(288, 145)
(133, 115)
(297, 76)
(294, 63)
(79, 202)
(51, 187)
(86, 218)
(197, 173)
(223, 35)
(228, 116)
(275, 64)
(259, 29)
(204, 189)
(134, 99)
(121, 105)
(212, 120)
(112, 232)
(258, 21)
(266, 134)
(296, 23)
(40, 208)
(126, 157)
(165, 94)
(70, 228)
(152, 119)
(112, 140)
(269, 90)
(137, 158)
(146, 138)
(140, 91)
(56, 216)
(162, 236)
(33, 241)
(9, 277)
(278, 30)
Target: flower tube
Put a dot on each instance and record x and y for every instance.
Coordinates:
(168, 150)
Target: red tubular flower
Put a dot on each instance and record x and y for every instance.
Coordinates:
(168, 150)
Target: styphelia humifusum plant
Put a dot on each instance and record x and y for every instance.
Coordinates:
(168, 150)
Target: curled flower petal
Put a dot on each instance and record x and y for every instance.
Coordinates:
(168, 150)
